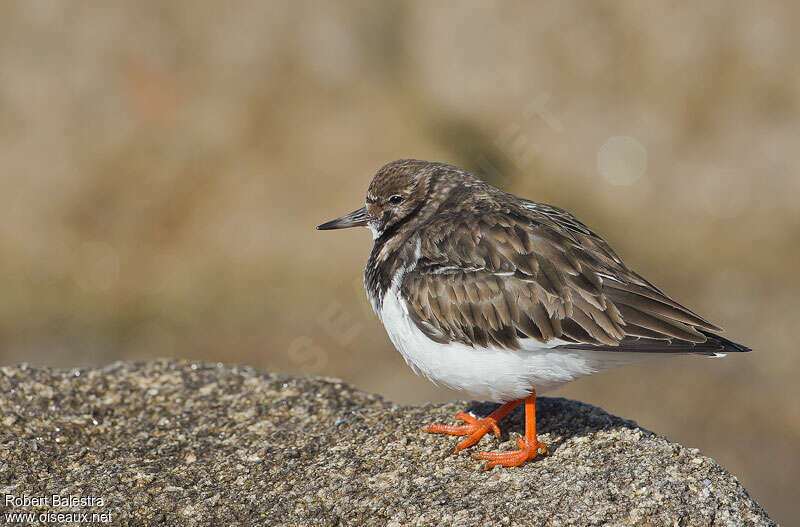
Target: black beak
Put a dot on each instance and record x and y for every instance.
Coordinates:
(357, 218)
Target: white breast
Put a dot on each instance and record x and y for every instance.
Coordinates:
(491, 373)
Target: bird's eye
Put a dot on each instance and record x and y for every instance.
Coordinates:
(396, 199)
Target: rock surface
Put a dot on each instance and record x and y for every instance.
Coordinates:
(176, 443)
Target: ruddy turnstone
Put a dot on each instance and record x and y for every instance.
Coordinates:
(502, 297)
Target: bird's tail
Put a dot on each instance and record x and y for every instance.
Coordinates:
(722, 345)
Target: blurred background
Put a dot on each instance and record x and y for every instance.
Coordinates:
(163, 165)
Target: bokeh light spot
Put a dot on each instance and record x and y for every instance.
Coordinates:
(621, 160)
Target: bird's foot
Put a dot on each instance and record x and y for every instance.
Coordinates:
(474, 428)
(528, 449)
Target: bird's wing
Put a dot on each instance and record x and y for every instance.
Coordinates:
(497, 278)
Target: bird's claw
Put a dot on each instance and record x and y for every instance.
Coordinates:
(527, 450)
(474, 428)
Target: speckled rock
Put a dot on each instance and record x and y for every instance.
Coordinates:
(176, 443)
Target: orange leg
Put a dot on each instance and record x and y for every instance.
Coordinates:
(475, 428)
(529, 447)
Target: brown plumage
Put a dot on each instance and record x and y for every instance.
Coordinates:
(533, 271)
(492, 294)
(483, 267)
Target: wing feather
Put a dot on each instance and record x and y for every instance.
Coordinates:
(535, 272)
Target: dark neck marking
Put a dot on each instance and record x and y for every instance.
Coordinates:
(378, 274)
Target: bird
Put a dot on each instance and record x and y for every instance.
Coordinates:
(503, 298)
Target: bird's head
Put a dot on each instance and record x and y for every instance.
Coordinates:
(398, 193)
